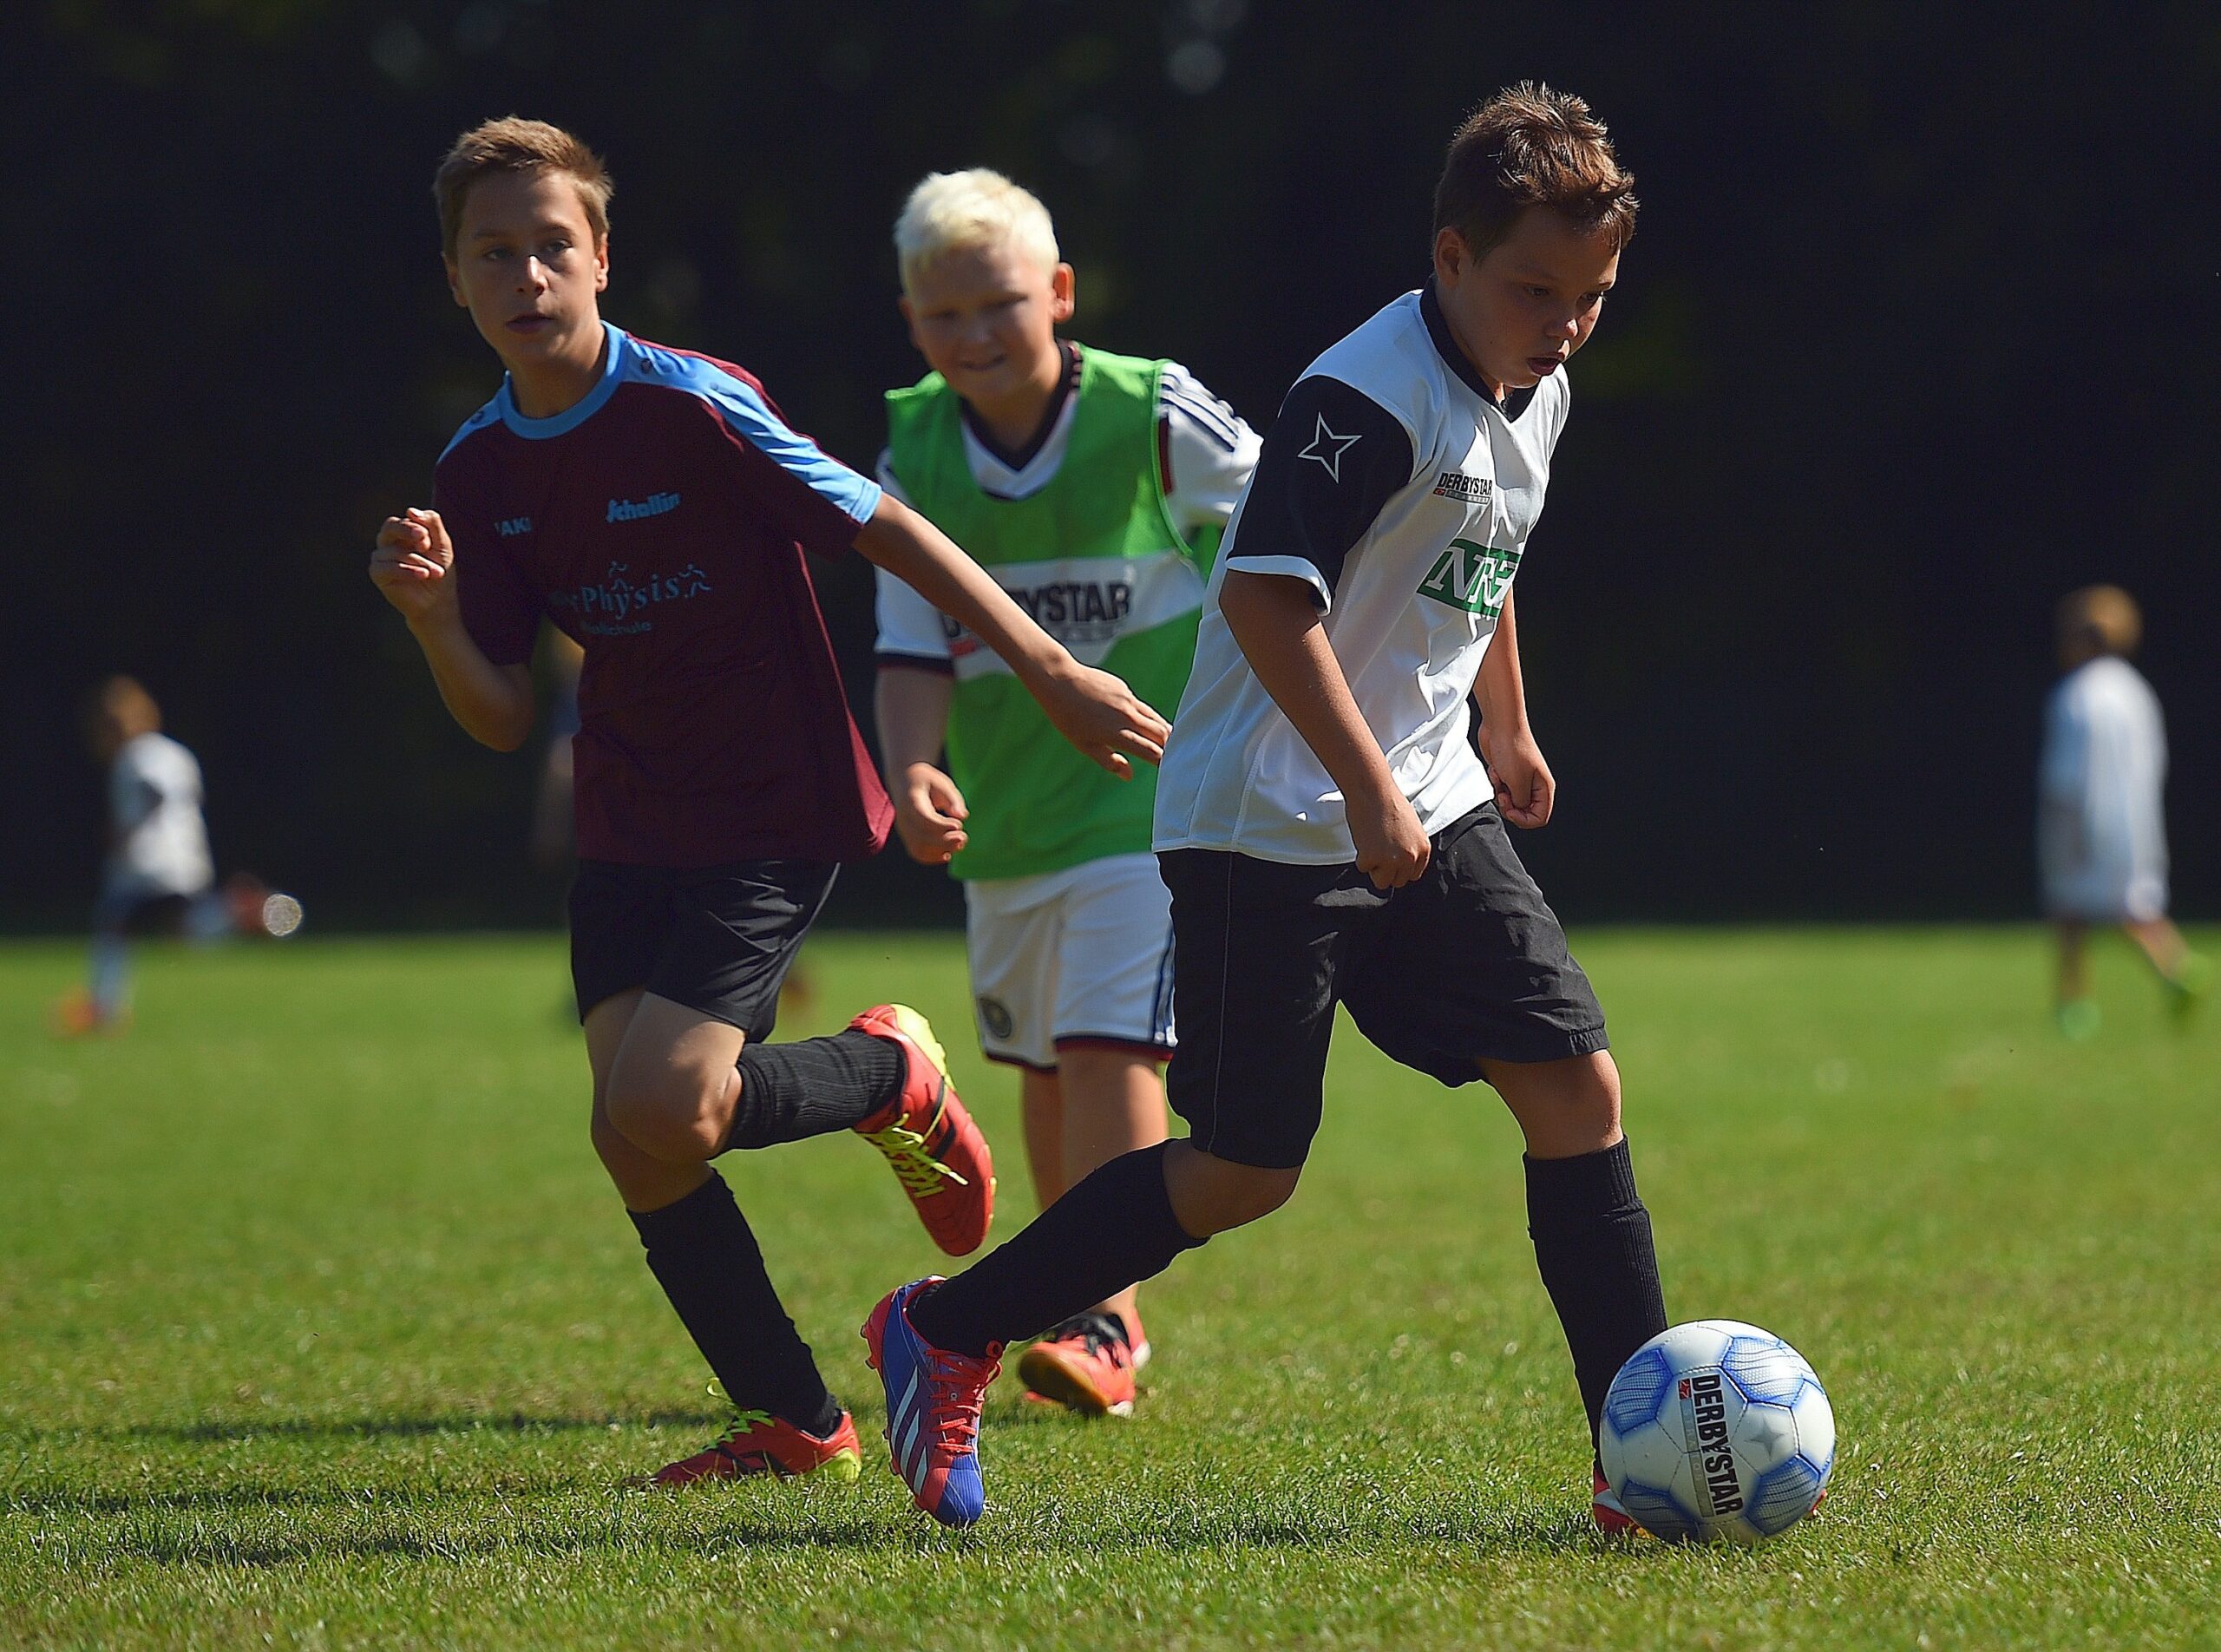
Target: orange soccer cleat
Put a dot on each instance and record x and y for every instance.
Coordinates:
(758, 1443)
(1086, 1365)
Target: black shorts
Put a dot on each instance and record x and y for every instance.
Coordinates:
(1464, 965)
(717, 939)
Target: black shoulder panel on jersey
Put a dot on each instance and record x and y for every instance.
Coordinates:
(1334, 457)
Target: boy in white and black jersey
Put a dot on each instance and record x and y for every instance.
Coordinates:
(1327, 832)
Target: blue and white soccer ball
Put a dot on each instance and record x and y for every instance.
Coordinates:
(1717, 1429)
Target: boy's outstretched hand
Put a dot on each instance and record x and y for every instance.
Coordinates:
(410, 564)
(1105, 718)
(929, 813)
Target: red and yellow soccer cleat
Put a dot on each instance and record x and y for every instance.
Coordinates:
(937, 1152)
(1086, 1365)
(758, 1443)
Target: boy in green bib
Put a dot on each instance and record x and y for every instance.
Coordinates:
(1093, 488)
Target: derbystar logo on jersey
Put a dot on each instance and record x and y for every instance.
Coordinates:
(1074, 612)
(1456, 484)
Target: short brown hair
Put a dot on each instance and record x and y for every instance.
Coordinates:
(2103, 617)
(122, 704)
(1531, 145)
(513, 144)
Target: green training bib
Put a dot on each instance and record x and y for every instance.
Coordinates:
(1097, 560)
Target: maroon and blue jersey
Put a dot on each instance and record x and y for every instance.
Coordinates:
(660, 522)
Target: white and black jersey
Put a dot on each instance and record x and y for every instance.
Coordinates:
(1403, 493)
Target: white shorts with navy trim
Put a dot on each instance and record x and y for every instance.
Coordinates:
(1078, 957)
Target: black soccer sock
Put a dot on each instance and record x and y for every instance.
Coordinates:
(789, 1092)
(1592, 1242)
(703, 1255)
(1114, 1229)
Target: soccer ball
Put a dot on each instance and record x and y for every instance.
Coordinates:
(1717, 1429)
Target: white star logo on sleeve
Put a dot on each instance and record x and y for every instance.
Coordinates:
(1328, 449)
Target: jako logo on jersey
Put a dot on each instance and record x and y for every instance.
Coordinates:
(625, 510)
(510, 527)
(1704, 1423)
(1456, 484)
(1476, 578)
(620, 597)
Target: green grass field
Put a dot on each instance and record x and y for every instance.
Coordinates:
(318, 1327)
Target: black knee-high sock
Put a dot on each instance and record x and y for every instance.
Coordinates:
(1592, 1242)
(789, 1092)
(1114, 1229)
(703, 1255)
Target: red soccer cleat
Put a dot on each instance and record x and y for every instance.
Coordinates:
(758, 1443)
(1086, 1365)
(937, 1152)
(1611, 1515)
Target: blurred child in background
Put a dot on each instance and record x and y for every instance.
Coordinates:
(2100, 836)
(159, 877)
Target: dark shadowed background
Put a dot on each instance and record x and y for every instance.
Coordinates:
(1919, 333)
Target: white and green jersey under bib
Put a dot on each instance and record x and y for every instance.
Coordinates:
(1094, 533)
(1396, 488)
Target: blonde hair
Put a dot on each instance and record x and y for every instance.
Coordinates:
(513, 144)
(977, 207)
(2103, 616)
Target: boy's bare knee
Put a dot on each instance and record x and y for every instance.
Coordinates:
(1210, 1195)
(677, 1124)
(1565, 1107)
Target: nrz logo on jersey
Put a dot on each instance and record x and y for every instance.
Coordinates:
(1704, 1417)
(1476, 578)
(626, 511)
(603, 608)
(1456, 484)
(510, 527)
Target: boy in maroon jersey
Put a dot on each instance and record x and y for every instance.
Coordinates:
(654, 504)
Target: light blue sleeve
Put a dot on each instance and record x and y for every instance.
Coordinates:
(751, 419)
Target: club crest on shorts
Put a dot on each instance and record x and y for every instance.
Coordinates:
(995, 1016)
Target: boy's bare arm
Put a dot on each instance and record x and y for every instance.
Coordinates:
(1275, 620)
(411, 568)
(912, 707)
(1526, 791)
(1092, 708)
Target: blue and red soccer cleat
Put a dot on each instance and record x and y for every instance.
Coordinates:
(926, 1136)
(933, 1409)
